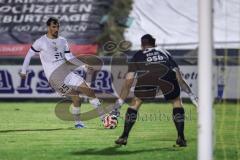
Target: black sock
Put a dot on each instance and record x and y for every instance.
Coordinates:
(130, 119)
(178, 118)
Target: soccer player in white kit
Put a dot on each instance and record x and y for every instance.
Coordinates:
(55, 55)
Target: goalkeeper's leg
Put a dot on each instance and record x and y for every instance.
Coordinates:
(178, 112)
(130, 119)
(178, 119)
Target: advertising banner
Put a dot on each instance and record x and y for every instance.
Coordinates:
(23, 21)
(106, 83)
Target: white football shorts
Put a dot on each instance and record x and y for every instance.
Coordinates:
(73, 80)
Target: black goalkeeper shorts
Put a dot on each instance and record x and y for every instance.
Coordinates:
(168, 86)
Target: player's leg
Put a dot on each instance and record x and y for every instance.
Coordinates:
(130, 119)
(85, 89)
(178, 111)
(93, 100)
(79, 85)
(178, 119)
(116, 107)
(75, 110)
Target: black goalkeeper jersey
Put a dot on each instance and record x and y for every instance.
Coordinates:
(154, 71)
(152, 56)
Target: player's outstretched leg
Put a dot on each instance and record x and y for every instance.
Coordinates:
(94, 101)
(116, 108)
(179, 118)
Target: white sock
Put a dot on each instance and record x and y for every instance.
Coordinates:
(118, 104)
(97, 104)
(120, 101)
(75, 110)
(76, 114)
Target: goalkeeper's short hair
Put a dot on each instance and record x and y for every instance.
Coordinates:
(148, 39)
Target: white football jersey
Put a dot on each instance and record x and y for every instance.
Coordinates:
(52, 52)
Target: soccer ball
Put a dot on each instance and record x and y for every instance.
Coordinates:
(110, 122)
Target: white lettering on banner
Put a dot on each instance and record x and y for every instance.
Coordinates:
(5, 19)
(47, 9)
(36, 84)
(6, 84)
(75, 28)
(190, 77)
(23, 28)
(20, 18)
(74, 18)
(3, 29)
(102, 82)
(25, 84)
(29, 9)
(33, 18)
(73, 1)
(5, 9)
(43, 85)
(11, 49)
(43, 1)
(38, 28)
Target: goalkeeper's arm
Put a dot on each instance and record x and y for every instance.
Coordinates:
(185, 87)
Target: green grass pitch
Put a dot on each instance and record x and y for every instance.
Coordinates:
(32, 131)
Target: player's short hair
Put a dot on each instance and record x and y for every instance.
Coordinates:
(52, 20)
(148, 39)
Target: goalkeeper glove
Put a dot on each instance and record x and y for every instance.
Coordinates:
(194, 99)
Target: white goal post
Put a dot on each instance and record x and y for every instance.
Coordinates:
(205, 124)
